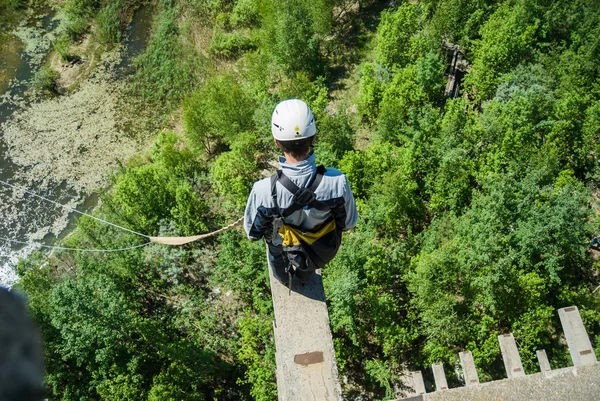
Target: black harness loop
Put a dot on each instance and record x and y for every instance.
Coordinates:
(302, 197)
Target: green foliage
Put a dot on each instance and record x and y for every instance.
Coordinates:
(312, 91)
(335, 138)
(504, 258)
(230, 45)
(370, 92)
(63, 47)
(430, 74)
(8, 8)
(164, 72)
(76, 26)
(245, 13)
(507, 37)
(177, 382)
(82, 8)
(45, 80)
(258, 357)
(111, 20)
(401, 106)
(9, 13)
(293, 35)
(460, 20)
(147, 194)
(217, 113)
(396, 44)
(234, 172)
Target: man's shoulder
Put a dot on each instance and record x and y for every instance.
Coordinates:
(262, 185)
(261, 190)
(333, 172)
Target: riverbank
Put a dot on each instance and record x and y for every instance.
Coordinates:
(63, 147)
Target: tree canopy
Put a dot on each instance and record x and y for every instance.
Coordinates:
(476, 212)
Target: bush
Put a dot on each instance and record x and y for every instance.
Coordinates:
(216, 113)
(401, 106)
(394, 36)
(234, 172)
(335, 137)
(111, 20)
(507, 38)
(45, 80)
(292, 40)
(230, 45)
(370, 92)
(245, 13)
(63, 47)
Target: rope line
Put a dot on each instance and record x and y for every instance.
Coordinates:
(185, 240)
(158, 240)
(16, 187)
(61, 248)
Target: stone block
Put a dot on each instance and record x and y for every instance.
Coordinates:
(439, 375)
(577, 337)
(469, 370)
(543, 360)
(418, 383)
(510, 355)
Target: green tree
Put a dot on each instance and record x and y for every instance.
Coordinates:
(507, 38)
(218, 112)
(293, 37)
(395, 36)
(234, 172)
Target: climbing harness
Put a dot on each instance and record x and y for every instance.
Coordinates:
(158, 240)
(305, 250)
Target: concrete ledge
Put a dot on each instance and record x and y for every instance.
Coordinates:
(580, 383)
(306, 366)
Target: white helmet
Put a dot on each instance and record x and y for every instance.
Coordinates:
(292, 119)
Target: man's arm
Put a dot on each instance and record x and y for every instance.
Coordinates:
(258, 219)
(350, 207)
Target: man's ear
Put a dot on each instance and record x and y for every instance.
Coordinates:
(277, 143)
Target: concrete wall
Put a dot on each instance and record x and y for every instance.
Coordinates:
(580, 383)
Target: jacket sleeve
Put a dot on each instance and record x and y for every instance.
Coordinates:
(258, 219)
(350, 207)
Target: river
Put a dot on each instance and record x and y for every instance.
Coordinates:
(60, 147)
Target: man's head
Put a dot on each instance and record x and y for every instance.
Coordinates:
(293, 128)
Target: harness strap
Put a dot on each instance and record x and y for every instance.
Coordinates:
(302, 196)
(274, 193)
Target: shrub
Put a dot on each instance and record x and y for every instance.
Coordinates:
(394, 35)
(216, 113)
(230, 45)
(370, 93)
(45, 80)
(63, 48)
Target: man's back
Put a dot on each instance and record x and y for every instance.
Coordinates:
(333, 191)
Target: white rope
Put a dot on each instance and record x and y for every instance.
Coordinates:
(16, 187)
(159, 240)
(185, 240)
(61, 248)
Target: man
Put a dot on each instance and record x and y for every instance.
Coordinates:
(302, 211)
(21, 353)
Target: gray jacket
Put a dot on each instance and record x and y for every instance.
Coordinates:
(334, 190)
